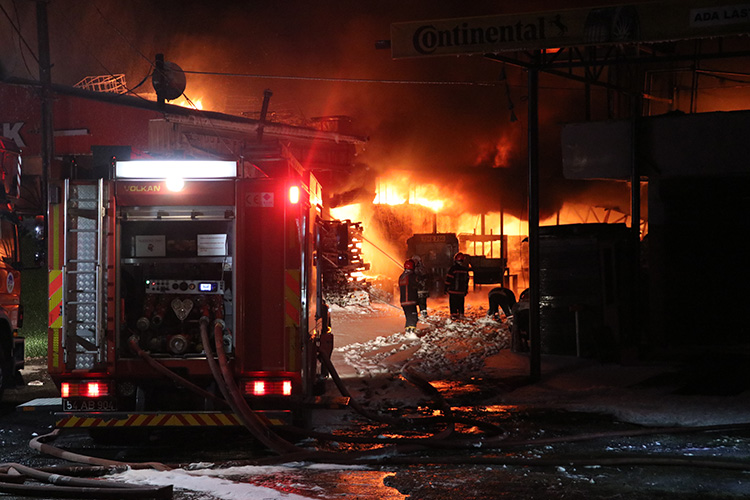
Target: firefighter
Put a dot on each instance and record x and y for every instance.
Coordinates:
(407, 284)
(422, 292)
(501, 298)
(457, 284)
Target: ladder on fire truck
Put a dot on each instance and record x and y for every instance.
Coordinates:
(84, 275)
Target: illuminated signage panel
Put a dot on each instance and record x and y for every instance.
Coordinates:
(185, 169)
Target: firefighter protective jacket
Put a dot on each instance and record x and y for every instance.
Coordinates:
(501, 297)
(457, 280)
(407, 284)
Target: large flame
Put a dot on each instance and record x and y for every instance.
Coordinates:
(400, 210)
(401, 188)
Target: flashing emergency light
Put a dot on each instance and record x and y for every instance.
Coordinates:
(294, 195)
(184, 169)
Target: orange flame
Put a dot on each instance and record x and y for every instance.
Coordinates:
(185, 103)
(399, 188)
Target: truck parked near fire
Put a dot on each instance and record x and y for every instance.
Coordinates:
(179, 285)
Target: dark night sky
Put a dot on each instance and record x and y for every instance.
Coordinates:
(448, 133)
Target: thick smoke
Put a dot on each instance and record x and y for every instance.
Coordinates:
(469, 140)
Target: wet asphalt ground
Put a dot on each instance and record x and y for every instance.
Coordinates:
(564, 454)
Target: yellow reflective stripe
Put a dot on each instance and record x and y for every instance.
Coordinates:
(55, 298)
(191, 420)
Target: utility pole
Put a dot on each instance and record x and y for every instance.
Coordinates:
(633, 339)
(535, 348)
(45, 78)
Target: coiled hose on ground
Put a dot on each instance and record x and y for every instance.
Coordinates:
(61, 486)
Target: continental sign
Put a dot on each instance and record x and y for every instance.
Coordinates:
(635, 23)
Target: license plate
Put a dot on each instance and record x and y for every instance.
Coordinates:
(100, 404)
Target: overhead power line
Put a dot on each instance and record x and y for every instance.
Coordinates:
(81, 40)
(20, 35)
(345, 80)
(122, 35)
(374, 80)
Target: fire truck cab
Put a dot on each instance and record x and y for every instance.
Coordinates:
(140, 263)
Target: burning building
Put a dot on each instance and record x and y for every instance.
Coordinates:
(406, 215)
(461, 167)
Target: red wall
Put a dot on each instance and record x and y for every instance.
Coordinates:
(105, 123)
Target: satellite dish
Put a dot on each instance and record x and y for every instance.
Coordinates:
(168, 80)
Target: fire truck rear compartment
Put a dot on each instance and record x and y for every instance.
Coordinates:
(175, 268)
(168, 282)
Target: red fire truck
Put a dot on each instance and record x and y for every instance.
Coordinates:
(172, 270)
(11, 311)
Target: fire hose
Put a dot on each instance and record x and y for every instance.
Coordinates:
(39, 444)
(250, 419)
(502, 443)
(223, 377)
(225, 380)
(170, 374)
(72, 487)
(258, 427)
(410, 375)
(394, 454)
(288, 451)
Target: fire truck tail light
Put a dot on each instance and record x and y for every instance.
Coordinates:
(294, 195)
(259, 387)
(85, 389)
(93, 390)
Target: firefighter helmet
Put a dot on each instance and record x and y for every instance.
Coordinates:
(409, 264)
(459, 258)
